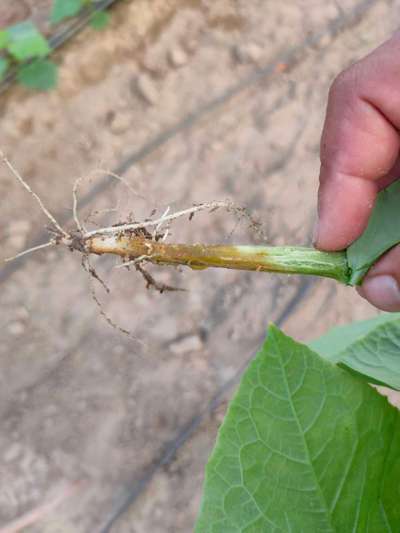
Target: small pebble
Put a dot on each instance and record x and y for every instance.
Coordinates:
(120, 123)
(177, 57)
(16, 328)
(187, 344)
(248, 53)
(94, 66)
(146, 89)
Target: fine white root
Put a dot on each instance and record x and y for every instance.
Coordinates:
(30, 250)
(87, 266)
(157, 229)
(89, 217)
(44, 209)
(78, 240)
(241, 214)
(212, 206)
(77, 184)
(109, 320)
(78, 223)
(134, 262)
(165, 237)
(106, 172)
(93, 275)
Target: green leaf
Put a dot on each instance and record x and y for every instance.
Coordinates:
(371, 349)
(26, 41)
(3, 67)
(338, 338)
(63, 9)
(382, 233)
(305, 447)
(99, 20)
(3, 39)
(40, 75)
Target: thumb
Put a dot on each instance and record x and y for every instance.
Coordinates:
(381, 286)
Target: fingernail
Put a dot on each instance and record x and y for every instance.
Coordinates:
(382, 292)
(315, 231)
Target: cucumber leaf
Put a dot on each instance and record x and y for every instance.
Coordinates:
(304, 447)
(3, 39)
(63, 9)
(3, 67)
(99, 20)
(40, 75)
(338, 338)
(382, 233)
(26, 42)
(371, 349)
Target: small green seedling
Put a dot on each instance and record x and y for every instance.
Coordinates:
(25, 48)
(63, 9)
(24, 41)
(99, 20)
(40, 74)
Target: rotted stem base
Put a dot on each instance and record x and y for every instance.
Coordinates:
(280, 259)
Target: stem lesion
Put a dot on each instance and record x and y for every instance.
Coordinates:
(135, 244)
(284, 259)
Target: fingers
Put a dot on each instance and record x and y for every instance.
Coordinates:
(359, 155)
(360, 144)
(381, 287)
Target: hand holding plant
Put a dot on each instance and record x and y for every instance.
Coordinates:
(300, 448)
(359, 157)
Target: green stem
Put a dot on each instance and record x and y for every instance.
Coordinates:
(280, 259)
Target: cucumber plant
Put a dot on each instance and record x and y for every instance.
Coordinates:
(25, 48)
(307, 445)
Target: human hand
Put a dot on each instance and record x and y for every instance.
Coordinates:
(360, 150)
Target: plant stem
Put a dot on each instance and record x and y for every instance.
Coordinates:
(280, 259)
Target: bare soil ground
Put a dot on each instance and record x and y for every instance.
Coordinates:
(194, 100)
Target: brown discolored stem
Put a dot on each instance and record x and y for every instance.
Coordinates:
(285, 259)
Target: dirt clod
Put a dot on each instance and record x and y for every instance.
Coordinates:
(178, 57)
(146, 89)
(120, 122)
(248, 53)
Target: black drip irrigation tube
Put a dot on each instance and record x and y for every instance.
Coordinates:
(59, 38)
